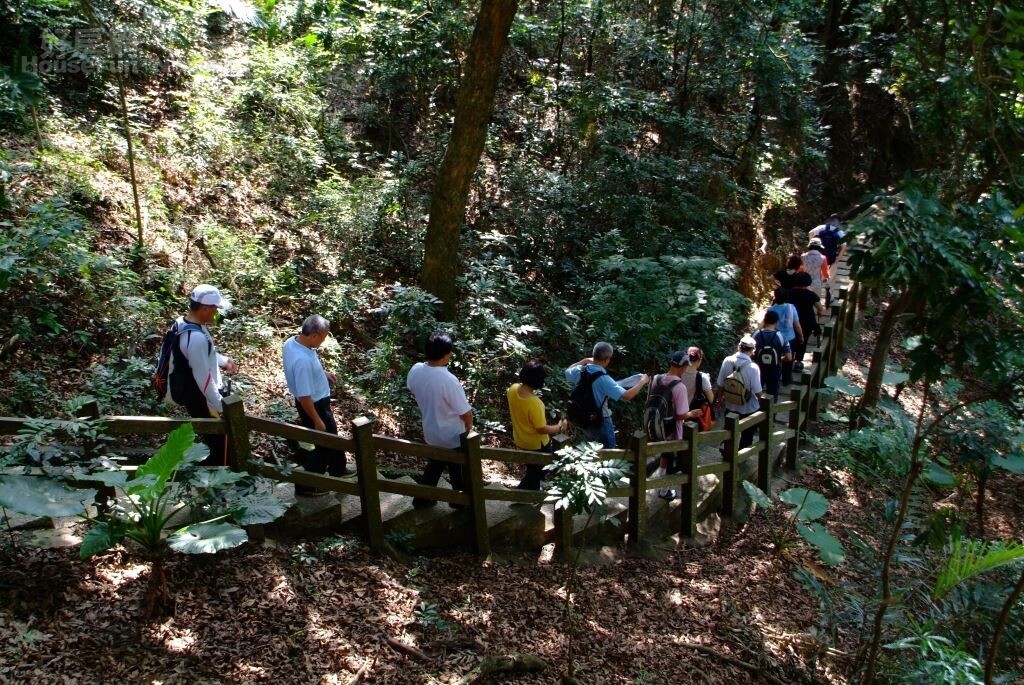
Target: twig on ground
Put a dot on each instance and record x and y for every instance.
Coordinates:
(711, 651)
(408, 650)
(361, 673)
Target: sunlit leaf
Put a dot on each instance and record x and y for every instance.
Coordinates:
(40, 496)
(829, 548)
(207, 538)
(809, 505)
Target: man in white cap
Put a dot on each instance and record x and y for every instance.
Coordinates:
(203, 398)
(741, 400)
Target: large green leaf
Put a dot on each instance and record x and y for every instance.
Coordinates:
(41, 496)
(829, 548)
(757, 495)
(844, 386)
(260, 507)
(207, 538)
(970, 558)
(1013, 463)
(162, 464)
(102, 536)
(212, 478)
(809, 504)
(937, 475)
(895, 377)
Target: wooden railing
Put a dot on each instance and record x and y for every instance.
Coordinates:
(802, 405)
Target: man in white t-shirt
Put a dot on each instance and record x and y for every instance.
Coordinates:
(446, 412)
(310, 385)
(202, 398)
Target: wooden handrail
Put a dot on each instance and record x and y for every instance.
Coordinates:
(802, 405)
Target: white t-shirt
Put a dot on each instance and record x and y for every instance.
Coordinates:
(205, 362)
(442, 402)
(813, 261)
(303, 371)
(690, 381)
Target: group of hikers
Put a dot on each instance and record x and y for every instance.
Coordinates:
(190, 368)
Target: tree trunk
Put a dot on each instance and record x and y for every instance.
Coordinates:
(131, 156)
(462, 156)
(997, 637)
(873, 386)
(158, 595)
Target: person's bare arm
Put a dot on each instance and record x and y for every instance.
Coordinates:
(467, 420)
(306, 402)
(632, 392)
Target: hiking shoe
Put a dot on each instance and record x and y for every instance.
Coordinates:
(306, 491)
(667, 494)
(420, 503)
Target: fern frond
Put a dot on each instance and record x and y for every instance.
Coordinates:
(970, 558)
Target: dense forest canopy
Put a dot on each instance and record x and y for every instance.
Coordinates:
(644, 165)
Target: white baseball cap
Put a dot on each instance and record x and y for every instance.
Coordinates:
(208, 295)
(747, 342)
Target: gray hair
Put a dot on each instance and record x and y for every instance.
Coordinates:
(602, 351)
(315, 324)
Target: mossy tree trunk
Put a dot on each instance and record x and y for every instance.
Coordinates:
(473, 109)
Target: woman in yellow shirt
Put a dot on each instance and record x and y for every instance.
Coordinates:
(530, 429)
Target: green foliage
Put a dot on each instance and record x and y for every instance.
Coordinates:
(806, 507)
(41, 496)
(653, 305)
(970, 558)
(582, 478)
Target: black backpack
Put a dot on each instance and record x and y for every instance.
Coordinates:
(767, 354)
(659, 413)
(830, 243)
(581, 407)
(173, 385)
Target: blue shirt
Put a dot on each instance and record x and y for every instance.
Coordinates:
(303, 371)
(604, 387)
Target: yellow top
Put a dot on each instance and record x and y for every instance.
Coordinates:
(527, 416)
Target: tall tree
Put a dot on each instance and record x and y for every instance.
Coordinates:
(473, 109)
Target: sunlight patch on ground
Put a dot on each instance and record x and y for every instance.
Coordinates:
(118, 576)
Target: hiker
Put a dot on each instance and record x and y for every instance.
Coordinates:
(784, 277)
(668, 404)
(446, 412)
(789, 327)
(202, 398)
(592, 371)
(530, 428)
(808, 306)
(831, 236)
(772, 349)
(698, 389)
(816, 265)
(310, 385)
(739, 385)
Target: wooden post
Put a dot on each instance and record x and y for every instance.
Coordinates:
(369, 488)
(104, 493)
(827, 346)
(766, 456)
(813, 385)
(793, 444)
(844, 302)
(730, 478)
(475, 489)
(851, 306)
(638, 485)
(563, 534)
(236, 429)
(689, 511)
